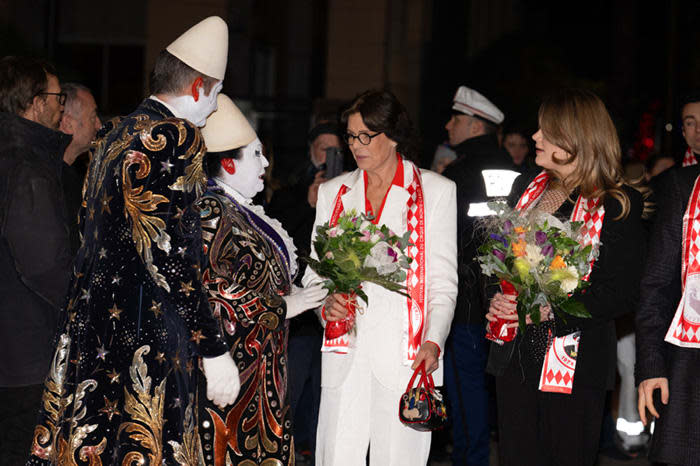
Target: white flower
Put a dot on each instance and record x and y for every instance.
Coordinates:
(569, 282)
(380, 259)
(533, 255)
(374, 238)
(365, 225)
(335, 231)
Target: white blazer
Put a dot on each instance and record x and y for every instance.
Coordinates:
(380, 325)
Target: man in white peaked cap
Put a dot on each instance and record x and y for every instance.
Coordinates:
(472, 135)
(122, 383)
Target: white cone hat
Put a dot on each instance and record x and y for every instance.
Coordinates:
(204, 47)
(227, 128)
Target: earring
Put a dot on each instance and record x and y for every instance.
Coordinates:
(229, 166)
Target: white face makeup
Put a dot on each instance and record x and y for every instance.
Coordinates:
(250, 171)
(197, 112)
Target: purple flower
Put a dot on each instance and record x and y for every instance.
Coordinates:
(499, 238)
(507, 227)
(548, 250)
(499, 254)
(392, 253)
(540, 237)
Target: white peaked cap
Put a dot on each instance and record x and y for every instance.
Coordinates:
(227, 128)
(204, 47)
(472, 103)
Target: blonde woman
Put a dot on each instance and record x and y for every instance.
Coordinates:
(582, 179)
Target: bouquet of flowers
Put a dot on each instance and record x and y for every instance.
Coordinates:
(354, 251)
(539, 260)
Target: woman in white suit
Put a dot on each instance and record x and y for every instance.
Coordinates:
(363, 377)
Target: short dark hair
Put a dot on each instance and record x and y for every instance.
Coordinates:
(22, 79)
(170, 75)
(212, 160)
(71, 90)
(382, 112)
(690, 98)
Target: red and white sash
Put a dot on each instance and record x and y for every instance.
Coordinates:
(560, 361)
(689, 158)
(685, 326)
(414, 319)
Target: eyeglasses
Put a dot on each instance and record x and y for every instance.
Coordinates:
(61, 96)
(364, 138)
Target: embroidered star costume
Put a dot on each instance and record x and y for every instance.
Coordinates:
(121, 389)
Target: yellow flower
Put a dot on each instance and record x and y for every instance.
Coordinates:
(522, 267)
(557, 263)
(520, 229)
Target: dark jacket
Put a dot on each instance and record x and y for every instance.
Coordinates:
(137, 316)
(34, 253)
(676, 430)
(614, 291)
(474, 155)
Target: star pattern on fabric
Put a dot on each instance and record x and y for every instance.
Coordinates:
(105, 203)
(181, 251)
(85, 295)
(197, 336)
(102, 253)
(166, 166)
(113, 376)
(186, 288)
(110, 408)
(178, 215)
(116, 280)
(155, 308)
(102, 353)
(160, 357)
(114, 312)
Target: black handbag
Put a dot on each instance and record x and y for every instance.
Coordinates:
(422, 407)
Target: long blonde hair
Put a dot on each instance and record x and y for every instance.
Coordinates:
(577, 121)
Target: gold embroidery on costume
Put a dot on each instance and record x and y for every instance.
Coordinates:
(194, 177)
(54, 403)
(145, 228)
(186, 453)
(146, 412)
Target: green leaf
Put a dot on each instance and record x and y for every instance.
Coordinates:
(575, 308)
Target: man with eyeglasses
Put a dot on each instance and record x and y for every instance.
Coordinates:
(472, 135)
(34, 252)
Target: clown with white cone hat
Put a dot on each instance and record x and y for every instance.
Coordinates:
(143, 318)
(200, 55)
(237, 232)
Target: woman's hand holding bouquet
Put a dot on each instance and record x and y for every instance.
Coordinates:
(540, 263)
(351, 252)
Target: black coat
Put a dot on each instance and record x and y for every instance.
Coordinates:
(123, 381)
(34, 252)
(614, 291)
(678, 429)
(474, 155)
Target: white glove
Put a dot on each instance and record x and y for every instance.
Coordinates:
(223, 383)
(302, 299)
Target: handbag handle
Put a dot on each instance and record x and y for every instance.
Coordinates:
(425, 379)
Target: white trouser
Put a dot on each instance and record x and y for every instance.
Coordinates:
(361, 412)
(629, 425)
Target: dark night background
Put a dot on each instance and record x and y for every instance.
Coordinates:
(285, 57)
